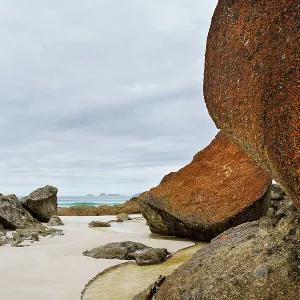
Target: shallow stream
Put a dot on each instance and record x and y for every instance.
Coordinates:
(124, 281)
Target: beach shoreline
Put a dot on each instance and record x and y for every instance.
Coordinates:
(54, 268)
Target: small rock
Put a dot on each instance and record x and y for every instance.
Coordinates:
(144, 255)
(123, 217)
(99, 224)
(55, 221)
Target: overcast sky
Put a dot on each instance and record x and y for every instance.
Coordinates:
(100, 96)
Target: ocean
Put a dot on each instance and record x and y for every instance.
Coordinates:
(68, 201)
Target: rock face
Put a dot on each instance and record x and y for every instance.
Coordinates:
(127, 250)
(129, 207)
(13, 215)
(55, 221)
(42, 203)
(222, 187)
(99, 224)
(251, 83)
(2, 231)
(257, 260)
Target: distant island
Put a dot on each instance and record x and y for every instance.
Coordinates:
(104, 194)
(90, 195)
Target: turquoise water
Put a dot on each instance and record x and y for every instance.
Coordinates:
(68, 201)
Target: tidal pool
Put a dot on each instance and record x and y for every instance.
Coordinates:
(124, 281)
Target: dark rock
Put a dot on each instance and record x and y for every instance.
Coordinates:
(257, 260)
(151, 256)
(251, 83)
(99, 224)
(13, 215)
(222, 187)
(55, 221)
(42, 203)
(168, 177)
(149, 292)
(127, 250)
(277, 192)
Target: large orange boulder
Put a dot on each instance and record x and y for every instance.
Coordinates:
(222, 187)
(251, 83)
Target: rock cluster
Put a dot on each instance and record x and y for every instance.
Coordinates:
(142, 254)
(222, 187)
(251, 83)
(257, 260)
(15, 215)
(129, 207)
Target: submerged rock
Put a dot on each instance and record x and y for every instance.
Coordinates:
(99, 224)
(144, 255)
(55, 221)
(13, 215)
(258, 260)
(42, 203)
(222, 187)
(251, 83)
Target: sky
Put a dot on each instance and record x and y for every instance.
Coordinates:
(100, 96)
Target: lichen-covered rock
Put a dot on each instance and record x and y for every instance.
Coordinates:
(222, 187)
(255, 261)
(251, 83)
(144, 255)
(55, 221)
(42, 203)
(13, 215)
(99, 224)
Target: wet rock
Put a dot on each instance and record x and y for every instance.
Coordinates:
(55, 221)
(222, 187)
(124, 217)
(99, 224)
(149, 292)
(151, 256)
(257, 260)
(13, 215)
(144, 255)
(42, 203)
(251, 83)
(130, 207)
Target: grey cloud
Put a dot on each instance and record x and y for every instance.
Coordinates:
(100, 96)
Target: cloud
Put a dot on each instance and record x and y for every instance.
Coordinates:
(100, 96)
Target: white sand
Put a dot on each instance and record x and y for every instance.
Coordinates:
(55, 269)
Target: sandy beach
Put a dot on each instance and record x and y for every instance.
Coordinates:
(54, 268)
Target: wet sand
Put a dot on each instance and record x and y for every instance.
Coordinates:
(54, 268)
